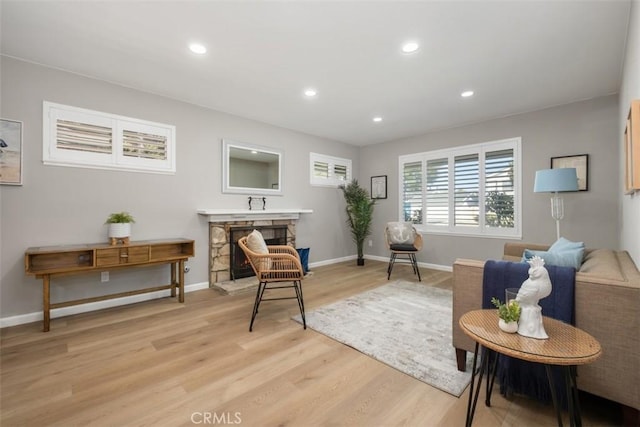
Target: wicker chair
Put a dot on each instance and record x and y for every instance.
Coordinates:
(280, 265)
(407, 249)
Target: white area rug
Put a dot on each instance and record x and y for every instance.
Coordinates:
(404, 325)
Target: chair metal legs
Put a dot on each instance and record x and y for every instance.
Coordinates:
(411, 256)
(262, 286)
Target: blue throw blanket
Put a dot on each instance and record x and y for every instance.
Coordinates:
(518, 376)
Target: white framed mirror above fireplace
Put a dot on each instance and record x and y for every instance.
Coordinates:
(251, 169)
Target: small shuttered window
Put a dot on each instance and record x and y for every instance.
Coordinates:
(328, 170)
(144, 145)
(85, 138)
(470, 190)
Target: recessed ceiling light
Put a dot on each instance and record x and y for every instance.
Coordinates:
(310, 92)
(377, 119)
(254, 152)
(410, 47)
(466, 93)
(197, 48)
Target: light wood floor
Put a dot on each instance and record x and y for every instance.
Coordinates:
(162, 363)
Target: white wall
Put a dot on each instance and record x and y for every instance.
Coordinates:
(61, 205)
(588, 127)
(630, 89)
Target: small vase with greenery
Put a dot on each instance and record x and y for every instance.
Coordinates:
(509, 314)
(120, 225)
(359, 214)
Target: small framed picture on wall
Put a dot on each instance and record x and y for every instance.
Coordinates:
(580, 162)
(10, 152)
(379, 187)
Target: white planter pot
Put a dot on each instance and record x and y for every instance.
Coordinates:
(120, 230)
(510, 327)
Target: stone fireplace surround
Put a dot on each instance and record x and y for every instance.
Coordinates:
(220, 244)
(220, 223)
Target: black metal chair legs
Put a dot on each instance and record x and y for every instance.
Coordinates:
(262, 287)
(411, 256)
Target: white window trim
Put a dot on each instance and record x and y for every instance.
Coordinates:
(451, 153)
(51, 155)
(332, 161)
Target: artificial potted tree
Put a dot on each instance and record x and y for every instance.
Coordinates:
(359, 214)
(119, 227)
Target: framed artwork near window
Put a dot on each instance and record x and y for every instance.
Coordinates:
(10, 152)
(379, 187)
(580, 162)
(632, 149)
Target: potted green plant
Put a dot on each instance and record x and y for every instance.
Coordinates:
(359, 214)
(509, 314)
(119, 225)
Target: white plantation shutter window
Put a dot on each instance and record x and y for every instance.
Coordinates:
(466, 183)
(499, 188)
(470, 190)
(328, 170)
(437, 196)
(144, 145)
(412, 192)
(84, 138)
(321, 170)
(340, 172)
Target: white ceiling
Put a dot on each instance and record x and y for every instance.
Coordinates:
(517, 56)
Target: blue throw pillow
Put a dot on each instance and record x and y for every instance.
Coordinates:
(563, 244)
(566, 258)
(563, 253)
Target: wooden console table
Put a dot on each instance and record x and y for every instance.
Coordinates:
(51, 261)
(567, 346)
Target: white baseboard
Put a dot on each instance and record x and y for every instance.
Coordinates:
(93, 306)
(332, 261)
(420, 264)
(21, 319)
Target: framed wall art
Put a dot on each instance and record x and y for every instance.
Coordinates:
(580, 162)
(379, 187)
(10, 152)
(632, 149)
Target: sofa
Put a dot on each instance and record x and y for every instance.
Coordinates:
(607, 306)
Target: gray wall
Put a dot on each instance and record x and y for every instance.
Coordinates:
(59, 205)
(589, 127)
(629, 90)
(62, 205)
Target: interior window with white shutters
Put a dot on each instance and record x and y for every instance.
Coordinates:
(79, 137)
(321, 170)
(468, 190)
(340, 172)
(499, 189)
(329, 171)
(466, 184)
(412, 192)
(144, 145)
(83, 137)
(437, 196)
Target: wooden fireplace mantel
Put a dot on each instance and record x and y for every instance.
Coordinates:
(231, 215)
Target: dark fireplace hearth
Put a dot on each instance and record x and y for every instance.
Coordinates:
(239, 265)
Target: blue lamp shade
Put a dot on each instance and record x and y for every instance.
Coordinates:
(552, 180)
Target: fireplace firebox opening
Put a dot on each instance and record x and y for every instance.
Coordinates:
(239, 265)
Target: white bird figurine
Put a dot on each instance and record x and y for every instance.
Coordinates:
(536, 287)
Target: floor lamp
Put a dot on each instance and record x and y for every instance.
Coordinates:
(556, 181)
